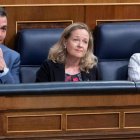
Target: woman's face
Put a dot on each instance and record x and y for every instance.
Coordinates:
(77, 43)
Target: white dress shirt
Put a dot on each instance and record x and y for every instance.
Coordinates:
(134, 67)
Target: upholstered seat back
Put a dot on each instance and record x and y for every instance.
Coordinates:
(114, 44)
(33, 46)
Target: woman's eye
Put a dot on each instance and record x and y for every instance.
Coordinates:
(75, 39)
(86, 42)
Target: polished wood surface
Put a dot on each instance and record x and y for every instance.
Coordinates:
(102, 116)
(68, 113)
(33, 16)
(66, 2)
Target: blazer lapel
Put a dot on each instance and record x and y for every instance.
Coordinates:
(59, 72)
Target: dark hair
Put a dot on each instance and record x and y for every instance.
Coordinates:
(2, 12)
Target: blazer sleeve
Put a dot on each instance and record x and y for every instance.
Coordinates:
(12, 77)
(94, 73)
(91, 76)
(43, 73)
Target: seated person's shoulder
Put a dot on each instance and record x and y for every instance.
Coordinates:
(16, 54)
(8, 51)
(136, 55)
(134, 60)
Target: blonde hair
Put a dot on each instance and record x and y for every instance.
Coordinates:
(58, 52)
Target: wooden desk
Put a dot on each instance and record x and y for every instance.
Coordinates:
(90, 110)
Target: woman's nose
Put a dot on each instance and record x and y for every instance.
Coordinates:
(80, 43)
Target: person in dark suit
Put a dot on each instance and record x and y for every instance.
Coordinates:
(71, 58)
(9, 59)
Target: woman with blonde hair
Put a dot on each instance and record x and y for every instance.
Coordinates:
(71, 58)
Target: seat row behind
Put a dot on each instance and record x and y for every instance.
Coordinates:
(114, 43)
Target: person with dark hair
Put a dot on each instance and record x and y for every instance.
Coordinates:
(9, 59)
(71, 58)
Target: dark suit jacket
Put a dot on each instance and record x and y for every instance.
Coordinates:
(55, 72)
(12, 60)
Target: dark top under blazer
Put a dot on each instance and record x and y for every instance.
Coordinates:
(55, 72)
